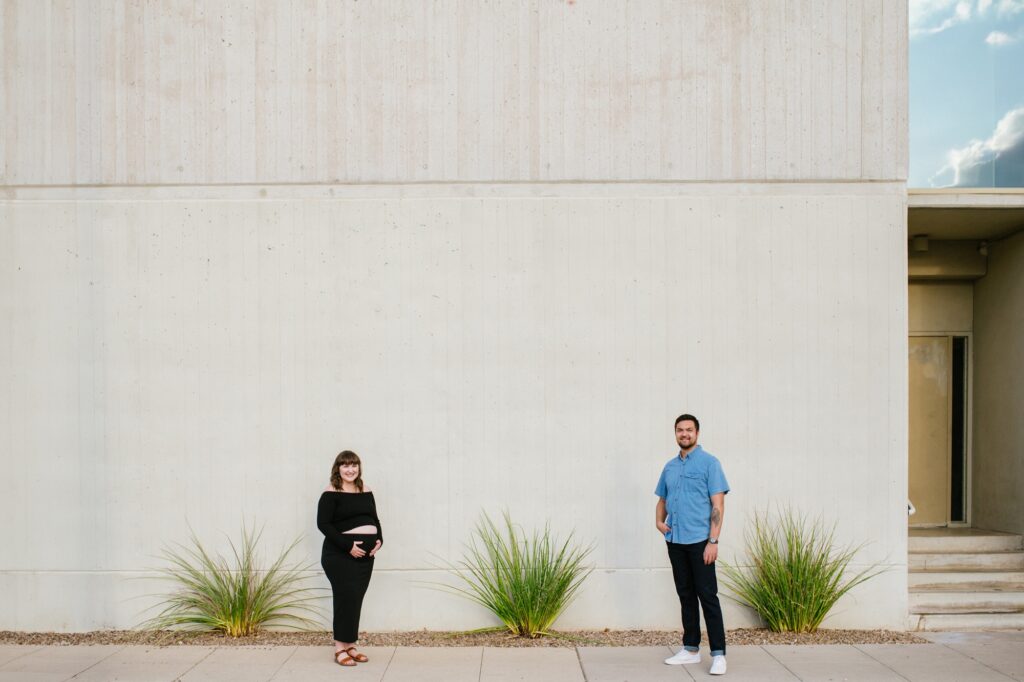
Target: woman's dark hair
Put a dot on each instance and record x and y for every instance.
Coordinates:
(346, 457)
(680, 418)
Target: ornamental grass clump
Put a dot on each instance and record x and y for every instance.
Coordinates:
(797, 573)
(526, 581)
(236, 596)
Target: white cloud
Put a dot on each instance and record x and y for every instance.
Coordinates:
(928, 17)
(1009, 131)
(997, 38)
(925, 11)
(971, 165)
(1007, 8)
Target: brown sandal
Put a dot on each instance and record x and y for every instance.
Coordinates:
(356, 656)
(346, 661)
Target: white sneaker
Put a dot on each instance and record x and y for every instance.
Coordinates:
(683, 657)
(717, 665)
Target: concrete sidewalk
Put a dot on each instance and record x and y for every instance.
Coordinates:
(951, 656)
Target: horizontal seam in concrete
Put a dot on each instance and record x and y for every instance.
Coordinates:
(404, 183)
(415, 569)
(533, 191)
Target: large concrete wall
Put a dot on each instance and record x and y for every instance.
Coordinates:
(998, 376)
(181, 346)
(202, 360)
(227, 92)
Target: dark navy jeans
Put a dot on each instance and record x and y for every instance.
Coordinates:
(697, 581)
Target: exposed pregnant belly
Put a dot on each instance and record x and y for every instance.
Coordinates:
(362, 530)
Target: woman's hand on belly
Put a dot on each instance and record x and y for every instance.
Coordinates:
(373, 552)
(362, 530)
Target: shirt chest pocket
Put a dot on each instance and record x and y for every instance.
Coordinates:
(694, 483)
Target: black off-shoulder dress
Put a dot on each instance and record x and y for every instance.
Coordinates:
(336, 513)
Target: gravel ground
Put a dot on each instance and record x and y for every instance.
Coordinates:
(432, 638)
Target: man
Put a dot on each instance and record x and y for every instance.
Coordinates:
(691, 503)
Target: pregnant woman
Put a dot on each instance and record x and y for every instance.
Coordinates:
(347, 516)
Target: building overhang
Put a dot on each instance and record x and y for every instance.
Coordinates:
(965, 214)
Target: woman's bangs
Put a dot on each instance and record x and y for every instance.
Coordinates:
(350, 458)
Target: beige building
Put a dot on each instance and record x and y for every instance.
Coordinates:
(966, 456)
(495, 249)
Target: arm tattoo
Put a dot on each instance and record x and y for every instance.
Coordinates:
(716, 517)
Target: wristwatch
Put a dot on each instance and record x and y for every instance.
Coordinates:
(712, 541)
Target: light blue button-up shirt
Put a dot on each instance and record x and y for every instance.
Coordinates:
(687, 485)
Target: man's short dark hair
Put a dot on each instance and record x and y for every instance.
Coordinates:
(688, 418)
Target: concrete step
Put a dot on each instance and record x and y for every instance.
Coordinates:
(977, 542)
(966, 602)
(966, 581)
(966, 621)
(987, 561)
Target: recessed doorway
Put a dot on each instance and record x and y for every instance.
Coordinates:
(939, 385)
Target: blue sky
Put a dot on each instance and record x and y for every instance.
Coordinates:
(966, 93)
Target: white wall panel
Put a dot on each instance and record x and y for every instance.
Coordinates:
(168, 360)
(159, 92)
